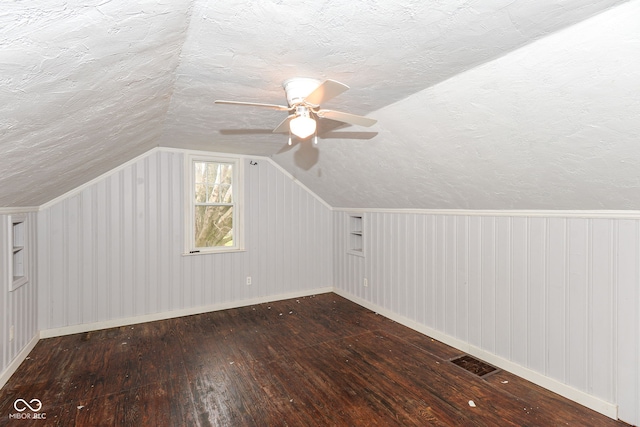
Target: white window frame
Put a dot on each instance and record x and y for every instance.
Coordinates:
(238, 203)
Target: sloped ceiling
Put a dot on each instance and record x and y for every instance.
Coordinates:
(529, 104)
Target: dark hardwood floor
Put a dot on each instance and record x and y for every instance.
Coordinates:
(314, 361)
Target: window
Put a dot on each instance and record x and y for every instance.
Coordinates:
(214, 204)
(18, 251)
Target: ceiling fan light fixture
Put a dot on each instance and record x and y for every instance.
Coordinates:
(303, 126)
(304, 97)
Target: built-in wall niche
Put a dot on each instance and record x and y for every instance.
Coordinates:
(18, 251)
(355, 243)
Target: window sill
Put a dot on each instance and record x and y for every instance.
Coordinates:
(221, 251)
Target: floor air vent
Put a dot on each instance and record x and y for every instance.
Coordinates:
(473, 365)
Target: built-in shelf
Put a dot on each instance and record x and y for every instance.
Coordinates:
(18, 262)
(355, 243)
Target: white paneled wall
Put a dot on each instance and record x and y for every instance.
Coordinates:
(114, 250)
(18, 308)
(557, 296)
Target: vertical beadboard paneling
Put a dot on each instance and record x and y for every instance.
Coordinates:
(152, 233)
(576, 332)
(601, 311)
(128, 251)
(386, 286)
(462, 277)
(474, 277)
(418, 254)
(400, 264)
(488, 281)
(87, 254)
(73, 269)
(115, 245)
(5, 355)
(164, 224)
(504, 289)
(176, 242)
(373, 256)
(284, 199)
(101, 279)
(519, 283)
(536, 294)
(628, 320)
(114, 250)
(557, 303)
(557, 296)
(295, 227)
(411, 267)
(58, 301)
(450, 315)
(30, 301)
(440, 283)
(140, 175)
(432, 271)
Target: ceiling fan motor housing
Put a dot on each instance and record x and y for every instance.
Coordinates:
(298, 88)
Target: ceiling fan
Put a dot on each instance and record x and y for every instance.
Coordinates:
(304, 96)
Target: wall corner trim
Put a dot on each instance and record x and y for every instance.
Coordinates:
(294, 179)
(19, 209)
(586, 214)
(20, 357)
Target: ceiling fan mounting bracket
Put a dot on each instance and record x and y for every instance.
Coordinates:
(298, 88)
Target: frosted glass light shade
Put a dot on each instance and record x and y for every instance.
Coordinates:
(302, 126)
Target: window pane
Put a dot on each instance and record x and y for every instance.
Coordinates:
(213, 182)
(219, 173)
(220, 193)
(201, 193)
(226, 173)
(199, 170)
(214, 226)
(213, 172)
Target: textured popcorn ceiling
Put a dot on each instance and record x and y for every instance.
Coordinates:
(485, 104)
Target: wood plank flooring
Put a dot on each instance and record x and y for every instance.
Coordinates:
(314, 361)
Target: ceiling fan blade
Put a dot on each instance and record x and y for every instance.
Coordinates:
(327, 90)
(283, 127)
(254, 104)
(352, 119)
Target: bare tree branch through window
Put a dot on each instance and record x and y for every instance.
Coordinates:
(213, 204)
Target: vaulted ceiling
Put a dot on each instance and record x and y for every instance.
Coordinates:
(481, 104)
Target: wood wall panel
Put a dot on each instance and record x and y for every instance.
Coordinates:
(115, 249)
(18, 308)
(557, 296)
(627, 279)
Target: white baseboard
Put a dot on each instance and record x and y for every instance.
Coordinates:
(15, 363)
(578, 396)
(115, 323)
(587, 400)
(69, 330)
